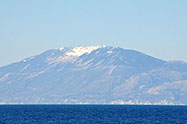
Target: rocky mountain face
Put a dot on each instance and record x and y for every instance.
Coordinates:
(95, 75)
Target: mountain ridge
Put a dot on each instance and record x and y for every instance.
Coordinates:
(95, 75)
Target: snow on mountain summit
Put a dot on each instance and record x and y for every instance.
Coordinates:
(78, 51)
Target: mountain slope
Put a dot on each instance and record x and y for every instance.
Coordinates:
(95, 74)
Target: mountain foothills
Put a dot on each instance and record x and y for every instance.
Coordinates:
(94, 75)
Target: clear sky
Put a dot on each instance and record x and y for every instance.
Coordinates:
(155, 27)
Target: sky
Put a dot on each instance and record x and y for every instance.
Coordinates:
(154, 27)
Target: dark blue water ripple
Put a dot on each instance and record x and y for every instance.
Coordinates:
(92, 114)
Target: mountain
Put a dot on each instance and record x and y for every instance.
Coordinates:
(95, 75)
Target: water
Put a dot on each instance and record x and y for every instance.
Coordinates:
(92, 114)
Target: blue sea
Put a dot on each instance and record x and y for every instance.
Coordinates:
(92, 114)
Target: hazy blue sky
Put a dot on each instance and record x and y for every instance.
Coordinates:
(155, 27)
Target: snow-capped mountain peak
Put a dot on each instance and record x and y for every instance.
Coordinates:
(95, 75)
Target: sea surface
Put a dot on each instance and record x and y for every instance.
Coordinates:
(92, 114)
